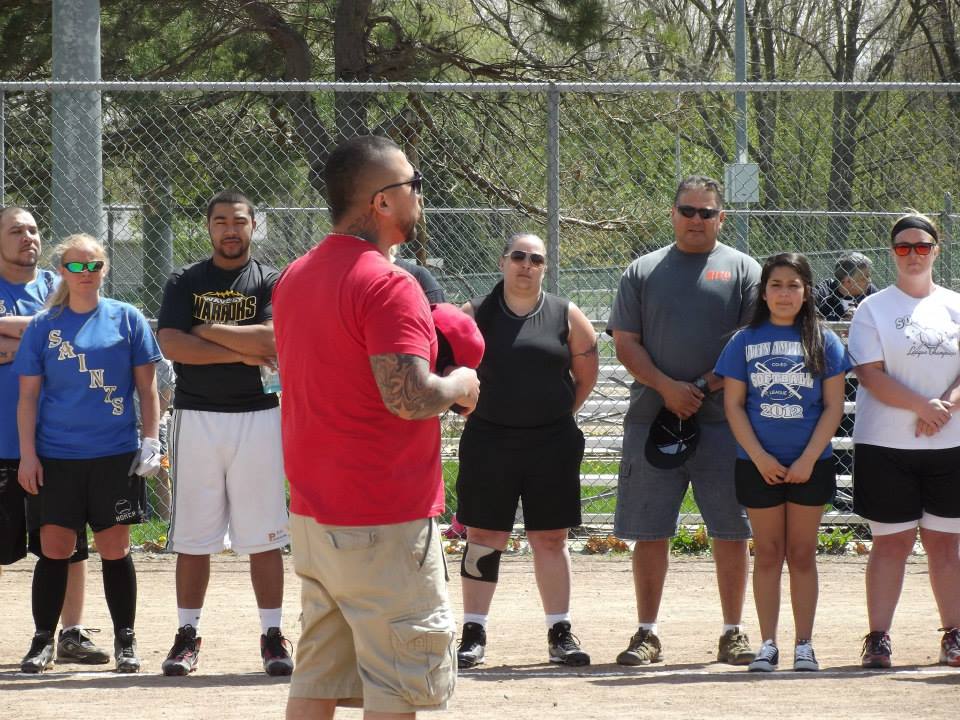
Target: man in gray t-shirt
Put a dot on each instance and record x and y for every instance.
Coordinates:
(675, 309)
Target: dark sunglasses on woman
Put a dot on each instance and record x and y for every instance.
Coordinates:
(520, 255)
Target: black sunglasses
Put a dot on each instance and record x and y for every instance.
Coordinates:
(520, 255)
(688, 211)
(79, 267)
(903, 249)
(416, 184)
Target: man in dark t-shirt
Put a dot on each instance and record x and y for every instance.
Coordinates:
(216, 325)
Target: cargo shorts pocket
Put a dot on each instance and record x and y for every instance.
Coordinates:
(423, 651)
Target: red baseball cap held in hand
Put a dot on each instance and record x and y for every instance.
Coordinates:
(459, 342)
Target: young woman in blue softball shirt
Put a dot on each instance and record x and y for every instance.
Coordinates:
(783, 397)
(79, 362)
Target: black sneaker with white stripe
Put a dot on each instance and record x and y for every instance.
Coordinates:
(76, 646)
(767, 658)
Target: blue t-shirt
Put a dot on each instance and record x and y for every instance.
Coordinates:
(86, 360)
(784, 401)
(20, 300)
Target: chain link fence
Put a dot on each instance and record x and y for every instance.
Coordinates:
(590, 167)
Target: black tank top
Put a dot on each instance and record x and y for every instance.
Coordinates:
(525, 376)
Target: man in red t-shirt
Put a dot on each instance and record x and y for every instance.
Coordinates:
(356, 344)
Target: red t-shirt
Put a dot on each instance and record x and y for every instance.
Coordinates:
(349, 460)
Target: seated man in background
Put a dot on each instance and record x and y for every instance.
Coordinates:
(837, 297)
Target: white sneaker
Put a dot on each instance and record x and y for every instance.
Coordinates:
(804, 659)
(767, 658)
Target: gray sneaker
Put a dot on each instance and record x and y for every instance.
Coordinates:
(804, 658)
(644, 648)
(40, 655)
(125, 651)
(734, 648)
(75, 646)
(767, 659)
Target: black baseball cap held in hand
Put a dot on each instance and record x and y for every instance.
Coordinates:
(671, 440)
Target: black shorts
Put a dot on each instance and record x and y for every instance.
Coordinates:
(539, 467)
(97, 491)
(19, 521)
(892, 485)
(754, 492)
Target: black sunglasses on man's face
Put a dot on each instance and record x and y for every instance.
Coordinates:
(416, 183)
(688, 211)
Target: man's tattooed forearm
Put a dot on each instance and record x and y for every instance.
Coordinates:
(404, 382)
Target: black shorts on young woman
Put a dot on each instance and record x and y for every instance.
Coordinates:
(98, 492)
(17, 520)
(893, 485)
(754, 492)
(538, 466)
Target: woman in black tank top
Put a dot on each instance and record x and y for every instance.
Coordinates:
(522, 443)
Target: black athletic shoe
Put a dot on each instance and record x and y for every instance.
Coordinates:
(184, 656)
(75, 646)
(125, 651)
(40, 655)
(564, 646)
(275, 650)
(473, 643)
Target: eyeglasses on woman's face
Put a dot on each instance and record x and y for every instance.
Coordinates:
(79, 267)
(519, 256)
(902, 249)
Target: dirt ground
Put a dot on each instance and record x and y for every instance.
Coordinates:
(516, 682)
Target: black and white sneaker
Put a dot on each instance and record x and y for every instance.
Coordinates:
(804, 658)
(473, 643)
(767, 659)
(40, 655)
(564, 646)
(125, 651)
(76, 646)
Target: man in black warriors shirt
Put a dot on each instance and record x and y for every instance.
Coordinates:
(216, 325)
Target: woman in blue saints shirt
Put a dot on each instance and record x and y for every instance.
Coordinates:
(79, 362)
(783, 397)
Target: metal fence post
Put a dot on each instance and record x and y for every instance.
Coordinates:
(553, 189)
(3, 169)
(946, 227)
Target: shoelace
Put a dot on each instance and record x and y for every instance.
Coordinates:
(876, 644)
(804, 651)
(277, 646)
(566, 640)
(952, 637)
(768, 651)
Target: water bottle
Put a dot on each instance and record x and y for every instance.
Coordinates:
(270, 378)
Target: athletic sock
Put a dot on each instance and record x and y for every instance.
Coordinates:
(728, 628)
(270, 617)
(120, 591)
(189, 616)
(555, 618)
(652, 627)
(49, 590)
(477, 618)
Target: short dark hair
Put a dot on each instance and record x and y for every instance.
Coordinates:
(11, 208)
(699, 182)
(349, 163)
(230, 197)
(516, 236)
(851, 263)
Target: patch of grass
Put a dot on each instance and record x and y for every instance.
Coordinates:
(690, 542)
(835, 540)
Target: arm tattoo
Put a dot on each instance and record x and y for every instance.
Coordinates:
(404, 382)
(592, 350)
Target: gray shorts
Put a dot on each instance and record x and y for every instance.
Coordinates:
(649, 499)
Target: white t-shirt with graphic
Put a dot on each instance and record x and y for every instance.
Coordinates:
(918, 340)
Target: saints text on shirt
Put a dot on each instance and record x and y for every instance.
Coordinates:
(96, 375)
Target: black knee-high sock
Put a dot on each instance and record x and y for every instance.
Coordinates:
(49, 589)
(120, 589)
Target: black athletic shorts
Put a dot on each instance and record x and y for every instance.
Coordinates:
(754, 492)
(97, 491)
(892, 485)
(539, 467)
(17, 522)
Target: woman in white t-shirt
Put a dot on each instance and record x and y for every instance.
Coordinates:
(905, 343)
